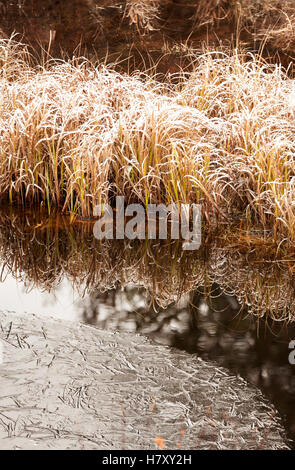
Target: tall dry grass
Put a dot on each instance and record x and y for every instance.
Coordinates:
(73, 135)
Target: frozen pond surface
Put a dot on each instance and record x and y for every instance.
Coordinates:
(66, 386)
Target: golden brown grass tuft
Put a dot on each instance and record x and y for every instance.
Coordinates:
(73, 135)
(143, 13)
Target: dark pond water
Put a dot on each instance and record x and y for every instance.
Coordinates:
(97, 28)
(218, 303)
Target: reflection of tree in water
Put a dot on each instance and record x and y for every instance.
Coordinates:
(212, 326)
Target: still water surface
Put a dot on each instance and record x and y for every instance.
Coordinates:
(218, 303)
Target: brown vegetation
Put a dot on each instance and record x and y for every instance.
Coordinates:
(73, 135)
